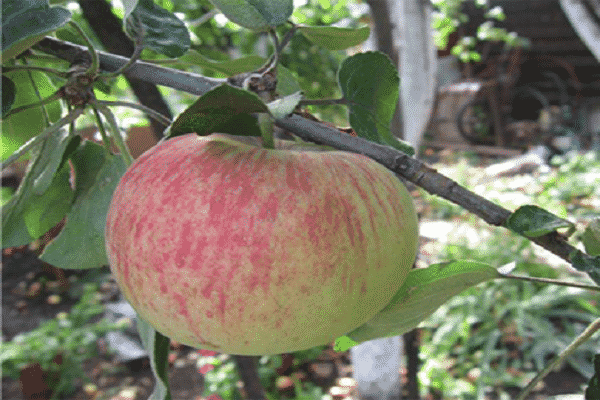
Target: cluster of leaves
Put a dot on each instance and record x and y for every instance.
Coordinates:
(449, 16)
(60, 345)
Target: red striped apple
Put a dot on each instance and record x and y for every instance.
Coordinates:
(232, 247)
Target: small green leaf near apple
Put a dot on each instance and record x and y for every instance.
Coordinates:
(225, 245)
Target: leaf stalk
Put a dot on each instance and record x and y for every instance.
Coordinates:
(552, 282)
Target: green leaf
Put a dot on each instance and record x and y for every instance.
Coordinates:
(372, 97)
(163, 32)
(224, 109)
(26, 22)
(258, 15)
(591, 237)
(18, 128)
(286, 82)
(5, 194)
(496, 13)
(228, 68)
(53, 151)
(34, 194)
(9, 91)
(533, 221)
(593, 390)
(157, 347)
(586, 263)
(423, 292)
(43, 212)
(333, 38)
(284, 106)
(80, 245)
(344, 343)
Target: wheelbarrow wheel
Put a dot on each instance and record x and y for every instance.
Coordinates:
(474, 122)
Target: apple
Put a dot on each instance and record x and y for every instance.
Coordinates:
(224, 245)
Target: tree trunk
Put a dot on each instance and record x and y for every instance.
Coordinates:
(410, 391)
(376, 365)
(246, 366)
(584, 17)
(383, 28)
(418, 68)
(108, 29)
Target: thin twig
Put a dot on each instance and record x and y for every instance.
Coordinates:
(322, 102)
(180, 80)
(420, 174)
(47, 100)
(31, 143)
(275, 39)
(95, 65)
(137, 52)
(156, 115)
(43, 109)
(287, 38)
(204, 18)
(56, 72)
(551, 281)
(271, 63)
(585, 335)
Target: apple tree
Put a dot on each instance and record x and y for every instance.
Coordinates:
(224, 174)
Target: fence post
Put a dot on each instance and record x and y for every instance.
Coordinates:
(376, 365)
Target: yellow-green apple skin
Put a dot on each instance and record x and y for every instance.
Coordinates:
(245, 250)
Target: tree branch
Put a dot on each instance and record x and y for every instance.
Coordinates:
(420, 174)
(149, 72)
(403, 165)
